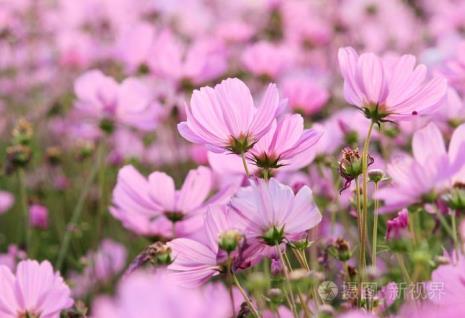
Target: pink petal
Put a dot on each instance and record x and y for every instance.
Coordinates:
(162, 190)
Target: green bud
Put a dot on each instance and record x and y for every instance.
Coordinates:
(343, 250)
(229, 240)
(22, 132)
(376, 175)
(456, 198)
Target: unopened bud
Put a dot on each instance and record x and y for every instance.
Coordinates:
(107, 126)
(229, 240)
(53, 155)
(343, 250)
(455, 199)
(375, 175)
(18, 155)
(275, 295)
(22, 132)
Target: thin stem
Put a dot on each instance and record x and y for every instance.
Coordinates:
(403, 268)
(375, 229)
(454, 232)
(366, 146)
(359, 221)
(102, 191)
(244, 162)
(244, 294)
(285, 262)
(230, 283)
(76, 216)
(24, 209)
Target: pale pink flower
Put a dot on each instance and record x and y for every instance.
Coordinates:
(6, 201)
(38, 216)
(305, 95)
(102, 265)
(225, 118)
(143, 295)
(195, 262)
(151, 206)
(273, 214)
(285, 145)
(431, 170)
(390, 88)
(35, 290)
(266, 59)
(130, 103)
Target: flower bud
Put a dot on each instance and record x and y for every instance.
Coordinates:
(455, 199)
(375, 175)
(229, 240)
(343, 250)
(350, 166)
(18, 156)
(22, 132)
(53, 155)
(275, 295)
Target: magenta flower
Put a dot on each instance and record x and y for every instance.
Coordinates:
(430, 171)
(130, 103)
(225, 118)
(196, 262)
(273, 214)
(38, 216)
(389, 89)
(35, 291)
(397, 224)
(285, 144)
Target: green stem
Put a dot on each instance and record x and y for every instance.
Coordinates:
(288, 280)
(244, 162)
(102, 191)
(454, 232)
(75, 216)
(366, 146)
(24, 209)
(403, 268)
(375, 229)
(359, 223)
(244, 294)
(230, 284)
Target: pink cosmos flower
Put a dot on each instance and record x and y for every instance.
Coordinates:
(152, 206)
(273, 214)
(203, 60)
(194, 262)
(35, 291)
(144, 294)
(6, 201)
(450, 279)
(102, 265)
(224, 118)
(390, 88)
(266, 59)
(304, 95)
(12, 256)
(430, 170)
(285, 145)
(38, 216)
(130, 103)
